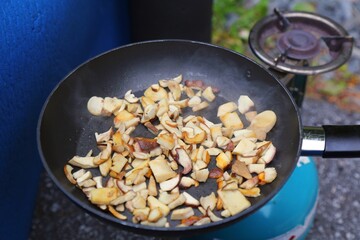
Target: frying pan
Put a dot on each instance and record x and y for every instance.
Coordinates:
(66, 128)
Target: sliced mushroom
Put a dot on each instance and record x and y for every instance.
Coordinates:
(170, 184)
(208, 201)
(103, 195)
(104, 137)
(244, 147)
(95, 105)
(208, 94)
(252, 192)
(241, 169)
(200, 106)
(250, 183)
(155, 214)
(182, 213)
(226, 108)
(69, 176)
(245, 104)
(201, 175)
(130, 97)
(83, 162)
(161, 170)
(155, 203)
(184, 160)
(263, 121)
(190, 200)
(222, 161)
(233, 201)
(187, 182)
(152, 186)
(232, 120)
(212, 216)
(177, 202)
(202, 221)
(116, 213)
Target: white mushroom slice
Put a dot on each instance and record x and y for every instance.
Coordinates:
(250, 183)
(203, 221)
(105, 154)
(181, 104)
(247, 160)
(141, 214)
(154, 215)
(138, 202)
(208, 94)
(104, 137)
(256, 168)
(165, 120)
(79, 173)
(190, 200)
(116, 213)
(222, 141)
(232, 120)
(233, 201)
(129, 206)
(253, 192)
(149, 113)
(195, 100)
(189, 92)
(212, 216)
(130, 97)
(118, 162)
(208, 201)
(123, 198)
(83, 162)
(226, 108)
(245, 104)
(184, 160)
(230, 185)
(166, 197)
(187, 182)
(122, 117)
(103, 195)
(98, 180)
(214, 151)
(182, 213)
(160, 223)
(95, 105)
(201, 175)
(263, 121)
(177, 202)
(112, 105)
(155, 203)
(123, 187)
(226, 213)
(161, 170)
(208, 144)
(170, 184)
(244, 147)
(139, 187)
(175, 89)
(199, 164)
(152, 186)
(241, 169)
(200, 106)
(268, 155)
(166, 141)
(268, 175)
(105, 167)
(87, 183)
(69, 176)
(141, 155)
(84, 177)
(131, 124)
(146, 101)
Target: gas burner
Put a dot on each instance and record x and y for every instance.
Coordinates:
(300, 43)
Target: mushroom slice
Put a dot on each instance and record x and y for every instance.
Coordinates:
(138, 201)
(166, 141)
(123, 187)
(212, 216)
(152, 186)
(208, 201)
(155, 203)
(69, 176)
(216, 173)
(177, 202)
(122, 117)
(129, 97)
(182, 213)
(190, 200)
(222, 141)
(187, 182)
(141, 214)
(199, 164)
(230, 185)
(95, 105)
(195, 100)
(104, 195)
(232, 120)
(184, 160)
(201, 175)
(208, 94)
(268, 175)
(203, 221)
(245, 104)
(226, 108)
(161, 170)
(175, 89)
(104, 137)
(234, 201)
(250, 115)
(256, 168)
(154, 215)
(146, 101)
(245, 146)
(263, 121)
(151, 128)
(149, 113)
(250, 183)
(162, 222)
(170, 184)
(116, 213)
(241, 169)
(252, 192)
(112, 105)
(165, 120)
(268, 155)
(222, 161)
(166, 197)
(83, 162)
(155, 94)
(213, 151)
(200, 106)
(145, 144)
(215, 131)
(118, 162)
(87, 183)
(189, 221)
(123, 198)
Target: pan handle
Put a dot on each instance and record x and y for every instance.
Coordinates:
(332, 141)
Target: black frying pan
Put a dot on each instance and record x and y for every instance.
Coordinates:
(66, 128)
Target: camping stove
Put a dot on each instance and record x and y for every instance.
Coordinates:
(292, 45)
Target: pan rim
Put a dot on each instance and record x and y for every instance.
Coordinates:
(156, 231)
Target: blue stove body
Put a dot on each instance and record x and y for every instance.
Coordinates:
(289, 215)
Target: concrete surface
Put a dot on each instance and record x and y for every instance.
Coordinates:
(55, 217)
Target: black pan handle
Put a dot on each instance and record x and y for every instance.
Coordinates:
(332, 141)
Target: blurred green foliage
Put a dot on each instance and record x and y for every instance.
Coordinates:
(232, 20)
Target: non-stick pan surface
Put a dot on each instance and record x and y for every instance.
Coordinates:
(66, 128)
